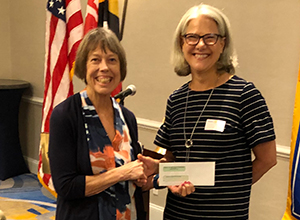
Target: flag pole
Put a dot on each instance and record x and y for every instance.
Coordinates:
(123, 19)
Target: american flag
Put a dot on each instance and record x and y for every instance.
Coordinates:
(103, 13)
(64, 31)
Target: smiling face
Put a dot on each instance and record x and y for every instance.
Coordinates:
(103, 72)
(202, 58)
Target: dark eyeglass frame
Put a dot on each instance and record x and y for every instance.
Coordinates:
(205, 37)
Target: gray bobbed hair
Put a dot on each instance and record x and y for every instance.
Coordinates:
(228, 59)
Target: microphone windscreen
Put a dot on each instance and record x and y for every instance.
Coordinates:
(132, 88)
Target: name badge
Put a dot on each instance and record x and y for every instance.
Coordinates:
(215, 125)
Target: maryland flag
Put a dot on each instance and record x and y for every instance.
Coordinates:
(292, 211)
(103, 13)
(64, 31)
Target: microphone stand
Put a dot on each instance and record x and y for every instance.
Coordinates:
(121, 101)
(123, 19)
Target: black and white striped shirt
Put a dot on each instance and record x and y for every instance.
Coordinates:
(248, 123)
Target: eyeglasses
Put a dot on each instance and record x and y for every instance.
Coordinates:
(208, 39)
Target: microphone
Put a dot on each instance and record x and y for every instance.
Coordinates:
(130, 90)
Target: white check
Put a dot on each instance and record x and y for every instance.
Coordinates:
(198, 173)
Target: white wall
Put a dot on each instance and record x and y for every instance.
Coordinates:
(267, 39)
(5, 42)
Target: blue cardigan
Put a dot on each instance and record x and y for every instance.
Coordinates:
(70, 162)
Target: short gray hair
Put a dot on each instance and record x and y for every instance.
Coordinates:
(228, 59)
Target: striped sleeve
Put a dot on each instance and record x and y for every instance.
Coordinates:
(256, 120)
(162, 138)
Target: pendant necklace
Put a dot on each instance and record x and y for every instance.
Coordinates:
(189, 142)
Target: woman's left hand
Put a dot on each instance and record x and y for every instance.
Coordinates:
(183, 190)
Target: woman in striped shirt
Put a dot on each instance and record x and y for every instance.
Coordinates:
(216, 117)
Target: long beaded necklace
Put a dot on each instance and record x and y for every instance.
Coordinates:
(189, 142)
